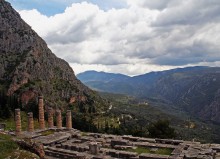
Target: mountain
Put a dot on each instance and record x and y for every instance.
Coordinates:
(195, 90)
(109, 82)
(89, 76)
(29, 68)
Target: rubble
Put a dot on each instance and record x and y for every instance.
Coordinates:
(65, 143)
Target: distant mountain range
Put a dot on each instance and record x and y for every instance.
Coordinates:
(195, 90)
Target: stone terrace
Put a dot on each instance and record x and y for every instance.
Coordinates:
(71, 143)
(60, 142)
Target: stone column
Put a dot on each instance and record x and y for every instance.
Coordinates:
(30, 122)
(17, 122)
(41, 112)
(59, 119)
(94, 148)
(50, 118)
(69, 119)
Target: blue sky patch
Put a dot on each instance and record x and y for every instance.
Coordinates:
(52, 7)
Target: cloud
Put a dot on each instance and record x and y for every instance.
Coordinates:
(155, 4)
(190, 12)
(135, 39)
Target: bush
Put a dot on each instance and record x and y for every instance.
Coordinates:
(161, 129)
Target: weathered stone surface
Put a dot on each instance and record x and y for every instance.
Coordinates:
(153, 156)
(17, 122)
(59, 119)
(69, 119)
(41, 112)
(30, 122)
(119, 142)
(56, 138)
(94, 148)
(50, 118)
(87, 146)
(33, 147)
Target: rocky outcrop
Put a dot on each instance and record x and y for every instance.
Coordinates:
(33, 147)
(27, 63)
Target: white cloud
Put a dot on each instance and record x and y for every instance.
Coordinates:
(145, 36)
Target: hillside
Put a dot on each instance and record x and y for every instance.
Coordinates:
(137, 115)
(29, 68)
(194, 90)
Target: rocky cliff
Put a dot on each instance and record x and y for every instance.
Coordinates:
(28, 67)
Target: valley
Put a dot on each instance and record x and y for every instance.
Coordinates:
(141, 114)
(46, 111)
(192, 90)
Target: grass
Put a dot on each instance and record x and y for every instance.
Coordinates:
(22, 154)
(84, 134)
(7, 145)
(160, 151)
(112, 121)
(48, 132)
(10, 123)
(10, 149)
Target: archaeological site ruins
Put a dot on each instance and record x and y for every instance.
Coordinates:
(66, 142)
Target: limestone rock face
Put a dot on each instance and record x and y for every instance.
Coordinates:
(26, 63)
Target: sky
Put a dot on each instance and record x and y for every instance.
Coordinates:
(128, 36)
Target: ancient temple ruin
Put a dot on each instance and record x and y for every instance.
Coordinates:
(66, 142)
(30, 126)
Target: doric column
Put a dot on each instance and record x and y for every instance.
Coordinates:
(59, 119)
(41, 112)
(50, 118)
(18, 121)
(30, 122)
(69, 119)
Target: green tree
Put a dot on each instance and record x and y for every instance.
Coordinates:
(161, 129)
